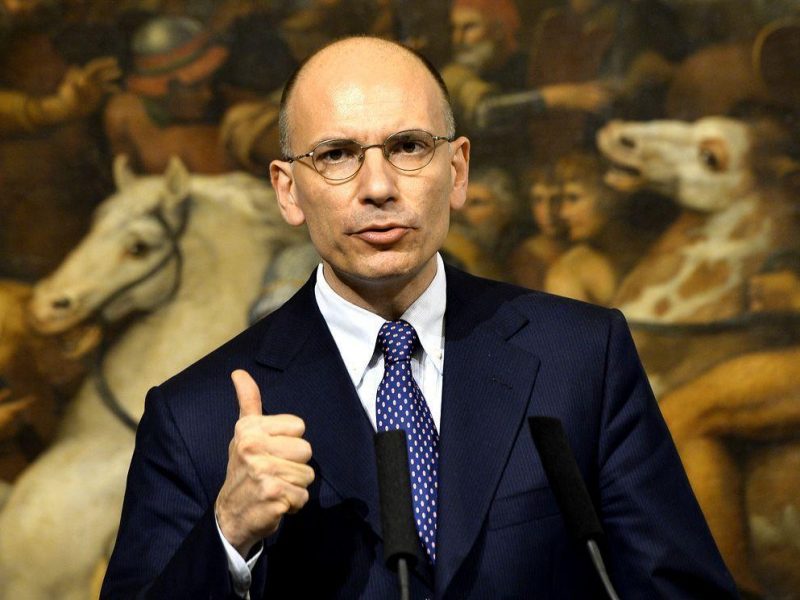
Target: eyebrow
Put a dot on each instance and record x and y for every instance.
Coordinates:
(360, 141)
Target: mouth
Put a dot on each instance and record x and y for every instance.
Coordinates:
(45, 326)
(624, 178)
(80, 340)
(382, 235)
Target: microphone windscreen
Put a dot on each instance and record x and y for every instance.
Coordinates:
(400, 538)
(565, 478)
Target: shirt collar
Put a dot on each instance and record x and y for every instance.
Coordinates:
(355, 329)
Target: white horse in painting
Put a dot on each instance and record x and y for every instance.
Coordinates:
(190, 250)
(730, 392)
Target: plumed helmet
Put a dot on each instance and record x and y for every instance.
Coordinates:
(162, 35)
(172, 48)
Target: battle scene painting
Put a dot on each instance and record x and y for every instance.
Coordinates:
(638, 154)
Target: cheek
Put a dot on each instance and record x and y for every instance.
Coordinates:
(475, 35)
(321, 225)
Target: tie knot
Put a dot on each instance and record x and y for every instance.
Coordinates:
(398, 340)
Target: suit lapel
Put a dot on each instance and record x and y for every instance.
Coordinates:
(306, 377)
(487, 387)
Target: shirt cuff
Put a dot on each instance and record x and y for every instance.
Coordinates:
(239, 569)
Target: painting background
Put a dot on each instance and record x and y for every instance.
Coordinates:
(564, 70)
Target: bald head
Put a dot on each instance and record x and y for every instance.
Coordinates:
(374, 57)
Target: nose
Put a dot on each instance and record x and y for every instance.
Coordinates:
(61, 303)
(48, 312)
(376, 179)
(457, 36)
(553, 208)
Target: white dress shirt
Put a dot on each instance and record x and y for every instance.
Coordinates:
(355, 332)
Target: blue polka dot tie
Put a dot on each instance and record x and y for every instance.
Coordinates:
(401, 405)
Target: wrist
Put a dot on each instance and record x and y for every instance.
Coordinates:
(227, 527)
(49, 110)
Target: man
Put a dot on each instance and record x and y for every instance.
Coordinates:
(489, 82)
(294, 514)
(484, 38)
(484, 232)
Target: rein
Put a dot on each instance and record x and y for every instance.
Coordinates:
(102, 386)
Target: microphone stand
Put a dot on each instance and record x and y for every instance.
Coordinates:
(600, 567)
(570, 490)
(400, 540)
(402, 579)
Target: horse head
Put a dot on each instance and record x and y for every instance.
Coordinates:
(128, 261)
(704, 165)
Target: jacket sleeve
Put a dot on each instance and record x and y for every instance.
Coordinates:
(167, 545)
(658, 543)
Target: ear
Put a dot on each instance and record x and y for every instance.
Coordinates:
(283, 182)
(123, 175)
(459, 169)
(176, 178)
(176, 186)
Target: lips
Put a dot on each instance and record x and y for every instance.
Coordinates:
(382, 235)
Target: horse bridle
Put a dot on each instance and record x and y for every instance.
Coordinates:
(102, 386)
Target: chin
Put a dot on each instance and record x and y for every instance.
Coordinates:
(394, 268)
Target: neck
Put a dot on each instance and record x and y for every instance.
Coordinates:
(388, 298)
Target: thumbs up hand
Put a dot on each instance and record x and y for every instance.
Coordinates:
(267, 474)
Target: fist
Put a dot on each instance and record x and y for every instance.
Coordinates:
(267, 476)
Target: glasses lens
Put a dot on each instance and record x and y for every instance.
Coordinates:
(410, 150)
(337, 159)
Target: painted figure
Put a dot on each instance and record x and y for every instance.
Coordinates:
(605, 245)
(169, 107)
(487, 229)
(530, 261)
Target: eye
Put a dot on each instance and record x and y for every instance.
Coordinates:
(709, 159)
(408, 145)
(713, 154)
(138, 249)
(332, 153)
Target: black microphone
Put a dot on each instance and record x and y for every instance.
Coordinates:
(570, 490)
(400, 542)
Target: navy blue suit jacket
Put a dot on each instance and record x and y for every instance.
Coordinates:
(509, 353)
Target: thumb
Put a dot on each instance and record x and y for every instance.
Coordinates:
(247, 393)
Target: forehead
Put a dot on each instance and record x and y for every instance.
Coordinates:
(461, 15)
(729, 130)
(124, 207)
(578, 185)
(364, 92)
(544, 189)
